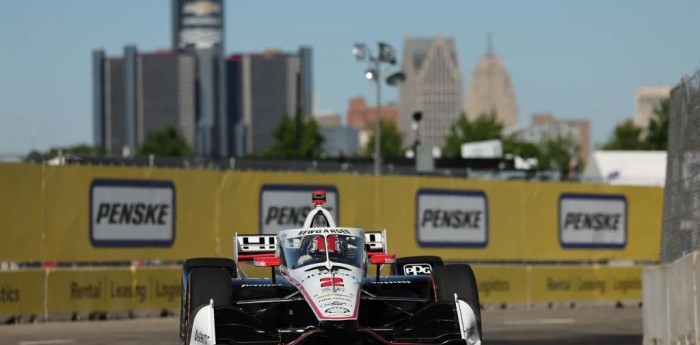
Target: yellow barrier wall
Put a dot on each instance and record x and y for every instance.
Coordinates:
(85, 290)
(22, 292)
(589, 283)
(124, 289)
(45, 213)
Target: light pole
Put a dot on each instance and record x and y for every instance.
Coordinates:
(387, 54)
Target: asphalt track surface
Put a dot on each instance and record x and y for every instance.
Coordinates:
(601, 326)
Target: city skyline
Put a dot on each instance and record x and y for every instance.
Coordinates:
(578, 60)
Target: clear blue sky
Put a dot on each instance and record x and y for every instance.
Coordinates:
(576, 59)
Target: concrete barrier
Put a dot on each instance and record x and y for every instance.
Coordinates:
(655, 305)
(670, 302)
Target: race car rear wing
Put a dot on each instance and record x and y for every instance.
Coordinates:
(248, 247)
(375, 242)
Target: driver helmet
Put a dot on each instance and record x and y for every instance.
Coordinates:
(317, 246)
(335, 245)
(332, 244)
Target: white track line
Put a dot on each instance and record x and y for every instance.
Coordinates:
(539, 322)
(46, 342)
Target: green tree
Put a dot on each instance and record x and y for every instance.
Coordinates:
(657, 135)
(520, 148)
(296, 137)
(627, 136)
(391, 140)
(78, 149)
(167, 142)
(485, 127)
(557, 153)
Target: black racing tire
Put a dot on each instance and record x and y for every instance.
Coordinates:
(397, 268)
(221, 271)
(205, 284)
(460, 280)
(228, 264)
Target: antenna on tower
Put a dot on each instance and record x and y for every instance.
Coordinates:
(489, 45)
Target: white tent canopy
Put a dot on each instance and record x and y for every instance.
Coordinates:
(640, 168)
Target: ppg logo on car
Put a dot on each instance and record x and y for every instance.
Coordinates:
(417, 269)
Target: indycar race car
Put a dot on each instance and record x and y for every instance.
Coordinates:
(323, 291)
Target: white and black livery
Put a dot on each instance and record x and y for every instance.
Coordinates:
(322, 291)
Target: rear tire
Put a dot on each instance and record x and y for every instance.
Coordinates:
(204, 279)
(460, 280)
(433, 261)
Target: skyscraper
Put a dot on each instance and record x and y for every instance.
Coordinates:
(198, 27)
(544, 126)
(646, 100)
(140, 93)
(490, 91)
(433, 85)
(263, 87)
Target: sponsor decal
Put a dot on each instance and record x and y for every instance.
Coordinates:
(201, 337)
(331, 282)
(117, 291)
(9, 294)
(392, 282)
(168, 292)
(85, 291)
(132, 213)
(486, 287)
(417, 269)
(625, 285)
(337, 310)
(592, 285)
(451, 218)
(324, 231)
(592, 221)
(259, 285)
(286, 206)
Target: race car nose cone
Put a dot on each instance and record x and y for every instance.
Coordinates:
(345, 326)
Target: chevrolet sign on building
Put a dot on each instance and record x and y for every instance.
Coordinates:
(198, 23)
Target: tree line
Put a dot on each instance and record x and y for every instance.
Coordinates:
(299, 137)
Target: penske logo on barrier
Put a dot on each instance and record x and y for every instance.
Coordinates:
(451, 218)
(132, 213)
(286, 206)
(592, 221)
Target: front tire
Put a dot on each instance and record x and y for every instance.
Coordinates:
(460, 280)
(204, 279)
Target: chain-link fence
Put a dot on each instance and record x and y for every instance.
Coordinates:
(681, 220)
(476, 168)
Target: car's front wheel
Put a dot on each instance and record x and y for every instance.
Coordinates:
(204, 279)
(460, 280)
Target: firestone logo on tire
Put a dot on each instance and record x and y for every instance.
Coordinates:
(286, 206)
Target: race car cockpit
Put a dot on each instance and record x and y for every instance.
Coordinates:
(321, 248)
